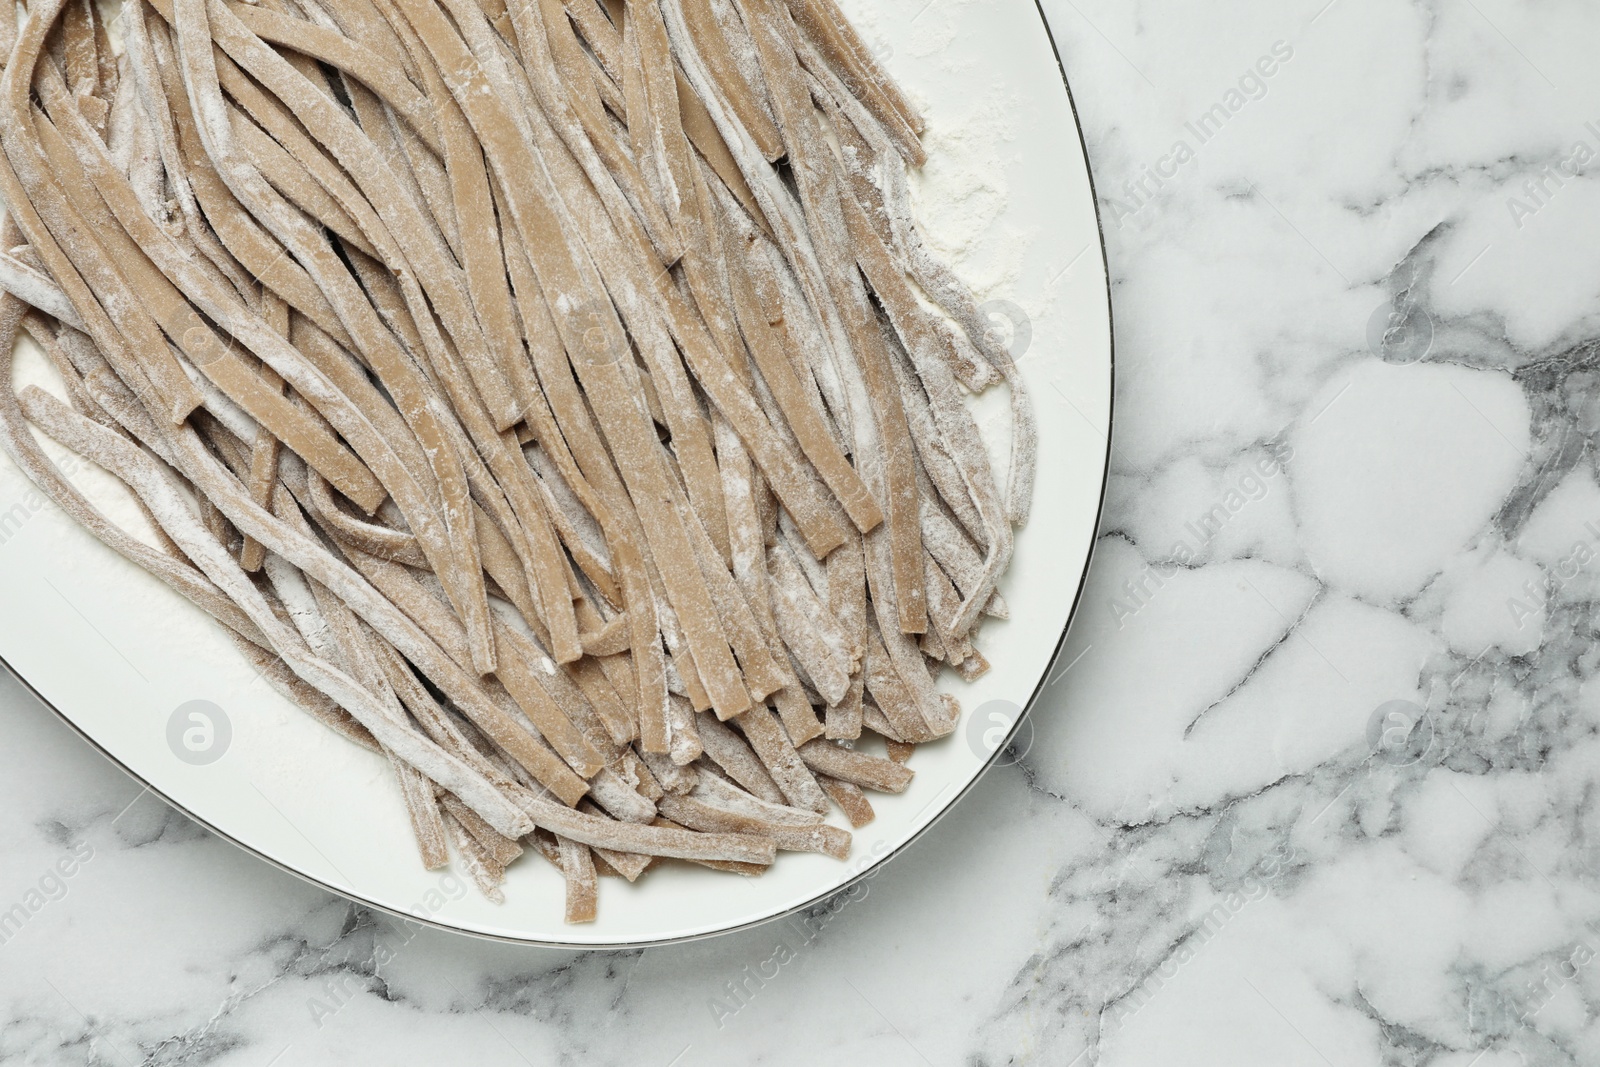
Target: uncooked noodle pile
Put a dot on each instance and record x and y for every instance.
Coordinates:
(555, 399)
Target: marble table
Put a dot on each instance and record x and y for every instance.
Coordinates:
(1316, 780)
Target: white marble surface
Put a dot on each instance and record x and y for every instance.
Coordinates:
(1204, 856)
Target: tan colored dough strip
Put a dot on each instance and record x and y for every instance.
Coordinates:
(778, 755)
(857, 768)
(832, 32)
(173, 173)
(873, 718)
(928, 385)
(850, 799)
(481, 867)
(572, 523)
(712, 46)
(750, 570)
(645, 134)
(761, 320)
(132, 142)
(618, 710)
(890, 692)
(650, 840)
(799, 615)
(663, 119)
(577, 866)
(726, 866)
(747, 543)
(847, 597)
(625, 864)
(698, 815)
(684, 745)
(731, 752)
(707, 139)
(950, 545)
(580, 690)
(944, 608)
(481, 256)
(720, 793)
(500, 847)
(560, 420)
(264, 453)
(621, 800)
(109, 73)
(550, 49)
(813, 352)
(599, 33)
(415, 166)
(762, 673)
(521, 675)
(360, 20)
(291, 178)
(25, 283)
(799, 718)
(81, 60)
(629, 865)
(702, 265)
(379, 73)
(396, 545)
(957, 558)
(525, 522)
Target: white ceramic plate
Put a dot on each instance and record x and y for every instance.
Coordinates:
(1007, 193)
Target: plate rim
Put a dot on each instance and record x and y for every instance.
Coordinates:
(868, 870)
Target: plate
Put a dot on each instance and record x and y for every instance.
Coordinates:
(156, 686)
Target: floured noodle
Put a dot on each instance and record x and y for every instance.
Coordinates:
(558, 401)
